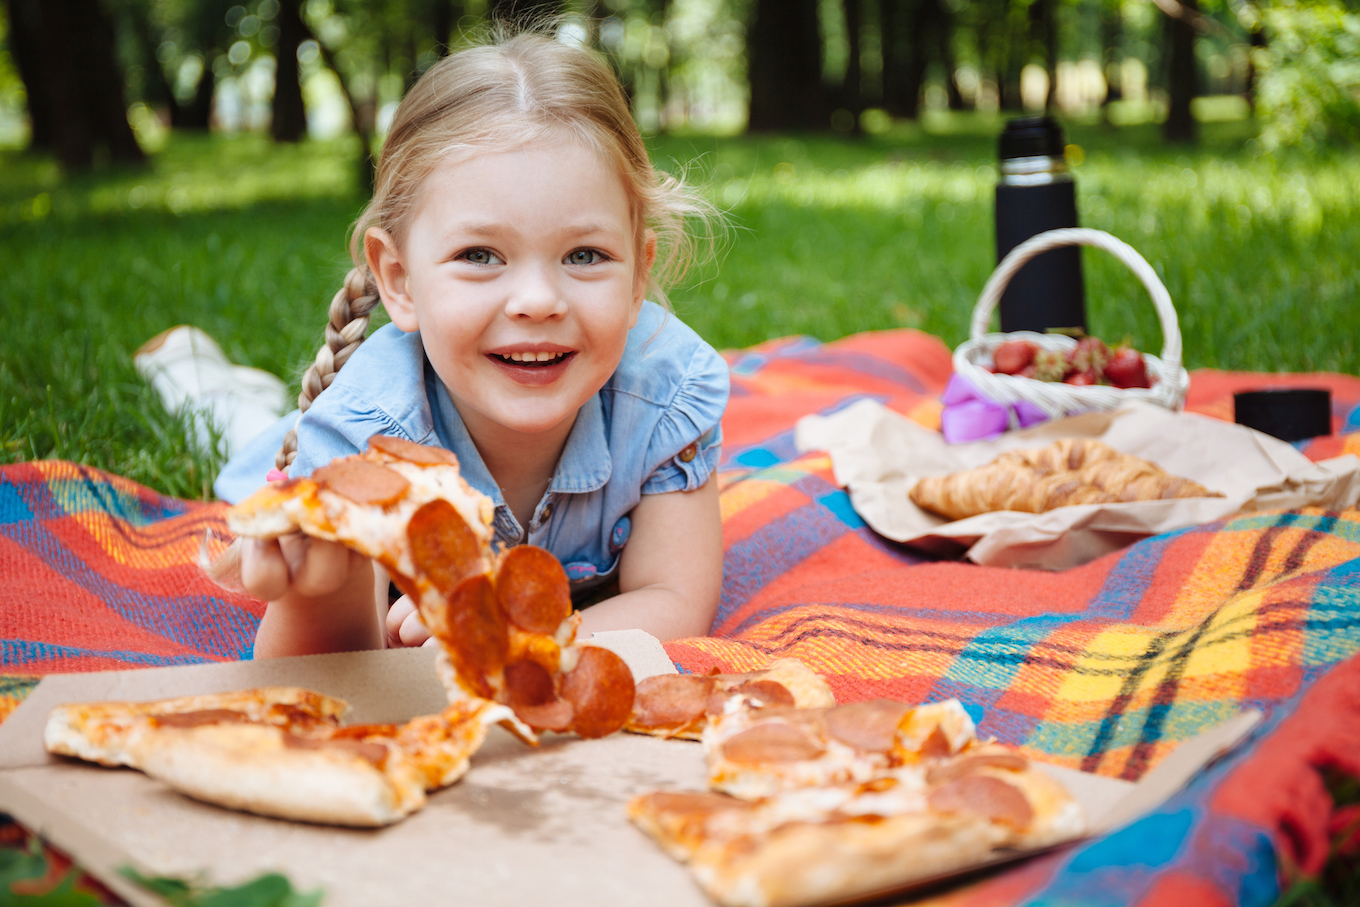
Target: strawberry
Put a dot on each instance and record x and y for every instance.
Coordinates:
(1014, 356)
(1089, 355)
(1083, 378)
(1049, 365)
(1126, 368)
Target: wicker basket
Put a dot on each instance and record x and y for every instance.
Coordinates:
(1170, 380)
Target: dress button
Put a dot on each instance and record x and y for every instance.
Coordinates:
(688, 453)
(547, 513)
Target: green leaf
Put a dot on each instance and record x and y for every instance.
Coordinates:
(269, 890)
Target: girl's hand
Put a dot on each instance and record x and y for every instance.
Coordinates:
(320, 595)
(404, 627)
(293, 563)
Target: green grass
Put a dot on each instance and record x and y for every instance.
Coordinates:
(830, 237)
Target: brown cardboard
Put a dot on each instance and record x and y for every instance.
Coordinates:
(524, 826)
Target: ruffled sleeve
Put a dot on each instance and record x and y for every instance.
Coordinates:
(687, 443)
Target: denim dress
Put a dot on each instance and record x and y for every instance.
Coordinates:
(653, 428)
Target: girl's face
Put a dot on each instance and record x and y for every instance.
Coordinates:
(521, 271)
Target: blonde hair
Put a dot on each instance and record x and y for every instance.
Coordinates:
(504, 94)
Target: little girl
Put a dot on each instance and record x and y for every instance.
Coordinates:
(515, 231)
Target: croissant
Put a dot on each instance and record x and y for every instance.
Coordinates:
(1070, 471)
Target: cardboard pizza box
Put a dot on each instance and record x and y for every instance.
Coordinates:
(523, 826)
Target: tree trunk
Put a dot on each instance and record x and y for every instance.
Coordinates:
(289, 120)
(1255, 41)
(1182, 78)
(82, 84)
(890, 22)
(1111, 59)
(158, 89)
(944, 19)
(25, 39)
(441, 22)
(918, 58)
(1043, 25)
(1014, 53)
(784, 54)
(853, 90)
(523, 13)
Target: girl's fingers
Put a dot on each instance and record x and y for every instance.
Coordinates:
(263, 570)
(323, 568)
(413, 632)
(401, 609)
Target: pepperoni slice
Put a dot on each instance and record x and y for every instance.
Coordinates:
(442, 545)
(601, 690)
(547, 716)
(528, 683)
(968, 765)
(362, 481)
(766, 692)
(684, 804)
(671, 700)
(772, 741)
(985, 796)
(200, 717)
(870, 727)
(533, 589)
(936, 745)
(412, 452)
(374, 753)
(475, 634)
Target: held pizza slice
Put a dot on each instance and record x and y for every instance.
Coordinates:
(504, 622)
(754, 754)
(680, 705)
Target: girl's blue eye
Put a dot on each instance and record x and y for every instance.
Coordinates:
(480, 257)
(584, 257)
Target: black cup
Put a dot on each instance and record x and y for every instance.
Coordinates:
(1288, 413)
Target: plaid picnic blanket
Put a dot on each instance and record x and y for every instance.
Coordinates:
(1104, 667)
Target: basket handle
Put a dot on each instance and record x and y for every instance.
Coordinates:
(1079, 236)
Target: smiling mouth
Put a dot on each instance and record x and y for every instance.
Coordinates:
(532, 359)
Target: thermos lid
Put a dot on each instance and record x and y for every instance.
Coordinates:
(1288, 413)
(1031, 137)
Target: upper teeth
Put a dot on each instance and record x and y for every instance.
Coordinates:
(534, 357)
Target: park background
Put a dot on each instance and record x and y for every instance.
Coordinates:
(199, 161)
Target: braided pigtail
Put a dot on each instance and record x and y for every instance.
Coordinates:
(345, 330)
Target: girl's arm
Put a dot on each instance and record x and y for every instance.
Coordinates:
(670, 573)
(321, 596)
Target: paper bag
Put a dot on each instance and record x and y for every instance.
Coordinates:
(879, 455)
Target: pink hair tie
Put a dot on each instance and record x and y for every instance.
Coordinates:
(276, 476)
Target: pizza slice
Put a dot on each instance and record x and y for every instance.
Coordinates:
(104, 731)
(279, 751)
(838, 842)
(504, 622)
(680, 705)
(756, 753)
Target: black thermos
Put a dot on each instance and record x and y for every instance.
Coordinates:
(1034, 193)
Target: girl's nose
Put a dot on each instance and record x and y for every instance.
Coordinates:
(534, 295)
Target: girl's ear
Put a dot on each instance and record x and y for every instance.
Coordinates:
(643, 271)
(389, 273)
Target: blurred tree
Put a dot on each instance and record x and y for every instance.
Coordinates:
(288, 119)
(207, 35)
(442, 16)
(852, 96)
(784, 66)
(23, 48)
(76, 95)
(156, 89)
(1182, 73)
(522, 11)
(914, 34)
(1043, 22)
